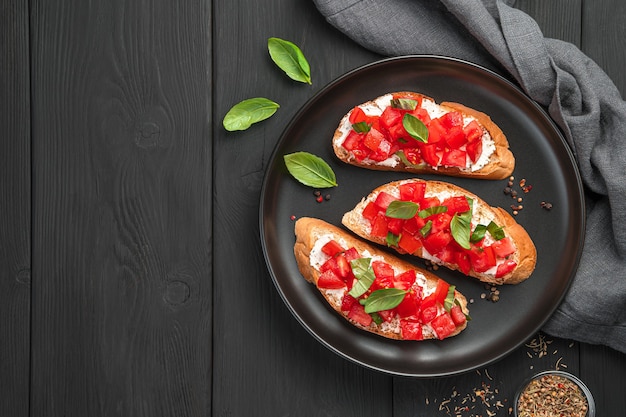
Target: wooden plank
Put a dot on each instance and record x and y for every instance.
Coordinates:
(602, 369)
(558, 19)
(265, 363)
(15, 208)
(604, 31)
(122, 208)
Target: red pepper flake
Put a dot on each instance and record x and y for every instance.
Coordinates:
(292, 217)
(319, 199)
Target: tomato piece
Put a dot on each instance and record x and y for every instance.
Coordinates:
(441, 291)
(411, 330)
(482, 259)
(455, 137)
(329, 280)
(505, 267)
(394, 225)
(383, 200)
(398, 132)
(373, 139)
(474, 150)
(456, 204)
(379, 226)
(384, 275)
(358, 314)
(409, 306)
(344, 270)
(429, 154)
(409, 243)
(454, 158)
(370, 211)
(412, 191)
(462, 259)
(451, 119)
(421, 114)
(427, 314)
(390, 117)
(358, 115)
(447, 254)
(332, 248)
(473, 131)
(440, 221)
(405, 280)
(443, 325)
(351, 254)
(413, 226)
(347, 302)
(436, 131)
(435, 242)
(387, 315)
(458, 317)
(503, 247)
(428, 202)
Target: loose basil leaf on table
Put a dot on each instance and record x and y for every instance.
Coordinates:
(247, 112)
(310, 170)
(290, 59)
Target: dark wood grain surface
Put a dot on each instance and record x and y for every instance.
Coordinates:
(132, 280)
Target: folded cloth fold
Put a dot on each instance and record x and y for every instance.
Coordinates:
(579, 97)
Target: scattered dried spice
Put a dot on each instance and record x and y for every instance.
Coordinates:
(513, 193)
(552, 395)
(493, 295)
(319, 197)
(481, 401)
(545, 205)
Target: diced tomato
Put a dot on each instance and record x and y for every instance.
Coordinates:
(454, 158)
(451, 119)
(387, 315)
(379, 226)
(421, 114)
(429, 154)
(344, 270)
(474, 150)
(358, 314)
(370, 211)
(384, 274)
(436, 131)
(441, 221)
(413, 225)
(383, 152)
(351, 254)
(505, 267)
(383, 200)
(413, 155)
(353, 140)
(409, 306)
(373, 139)
(428, 202)
(329, 265)
(427, 314)
(347, 302)
(358, 115)
(482, 259)
(409, 243)
(332, 248)
(412, 191)
(329, 280)
(456, 204)
(458, 317)
(398, 132)
(394, 225)
(441, 291)
(473, 131)
(435, 242)
(390, 117)
(411, 330)
(447, 254)
(443, 325)
(405, 280)
(462, 259)
(455, 137)
(503, 247)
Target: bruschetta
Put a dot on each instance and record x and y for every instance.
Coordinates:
(410, 132)
(446, 225)
(374, 290)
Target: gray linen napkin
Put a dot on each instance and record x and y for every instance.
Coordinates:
(580, 98)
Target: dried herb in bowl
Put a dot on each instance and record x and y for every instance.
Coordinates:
(554, 394)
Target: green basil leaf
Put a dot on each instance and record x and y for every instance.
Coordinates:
(430, 211)
(479, 233)
(449, 301)
(364, 274)
(496, 231)
(415, 128)
(402, 209)
(384, 299)
(243, 114)
(404, 103)
(460, 226)
(290, 59)
(425, 230)
(392, 240)
(361, 127)
(310, 170)
(376, 318)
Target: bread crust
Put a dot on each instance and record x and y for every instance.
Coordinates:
(308, 230)
(525, 256)
(501, 163)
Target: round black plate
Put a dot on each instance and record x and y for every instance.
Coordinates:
(542, 158)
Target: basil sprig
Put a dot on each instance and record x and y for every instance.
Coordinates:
(364, 274)
(290, 59)
(398, 209)
(415, 128)
(361, 127)
(310, 170)
(243, 114)
(404, 103)
(449, 301)
(391, 239)
(430, 211)
(383, 299)
(460, 226)
(480, 230)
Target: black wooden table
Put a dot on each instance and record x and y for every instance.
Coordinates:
(132, 280)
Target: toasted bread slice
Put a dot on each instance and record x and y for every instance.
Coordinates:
(311, 237)
(495, 160)
(517, 253)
